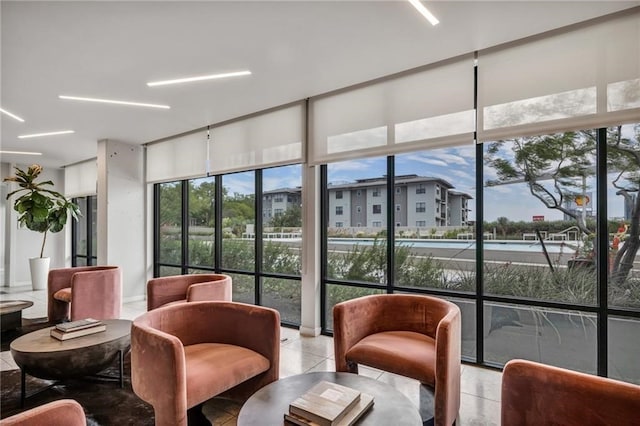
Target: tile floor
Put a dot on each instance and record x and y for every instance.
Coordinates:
(480, 399)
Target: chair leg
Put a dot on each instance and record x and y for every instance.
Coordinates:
(352, 367)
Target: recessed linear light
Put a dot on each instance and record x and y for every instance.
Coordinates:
(37, 135)
(4, 111)
(109, 101)
(424, 11)
(20, 153)
(200, 78)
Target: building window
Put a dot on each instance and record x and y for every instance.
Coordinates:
(421, 223)
(420, 189)
(338, 210)
(338, 195)
(398, 190)
(278, 211)
(398, 224)
(421, 207)
(398, 208)
(278, 199)
(358, 193)
(339, 224)
(376, 224)
(358, 209)
(377, 208)
(376, 192)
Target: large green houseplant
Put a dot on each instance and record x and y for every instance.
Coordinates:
(40, 209)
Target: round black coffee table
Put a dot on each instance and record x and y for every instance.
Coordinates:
(40, 355)
(11, 313)
(268, 405)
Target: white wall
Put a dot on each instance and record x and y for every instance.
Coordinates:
(121, 214)
(24, 243)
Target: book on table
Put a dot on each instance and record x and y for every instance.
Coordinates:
(350, 417)
(325, 404)
(78, 324)
(61, 335)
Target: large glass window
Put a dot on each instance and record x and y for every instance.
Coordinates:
(264, 271)
(539, 200)
(84, 233)
(201, 222)
(238, 218)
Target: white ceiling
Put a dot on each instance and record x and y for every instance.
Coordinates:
(295, 49)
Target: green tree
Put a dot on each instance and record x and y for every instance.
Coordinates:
(556, 167)
(290, 218)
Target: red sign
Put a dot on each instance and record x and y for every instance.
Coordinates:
(538, 218)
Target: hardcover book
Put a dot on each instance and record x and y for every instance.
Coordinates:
(325, 403)
(60, 335)
(78, 325)
(350, 418)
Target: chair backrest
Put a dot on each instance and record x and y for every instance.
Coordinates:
(538, 394)
(63, 412)
(163, 290)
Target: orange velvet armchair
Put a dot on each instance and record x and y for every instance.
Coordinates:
(63, 412)
(410, 335)
(84, 292)
(184, 354)
(188, 288)
(538, 394)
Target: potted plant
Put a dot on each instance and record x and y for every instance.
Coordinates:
(42, 210)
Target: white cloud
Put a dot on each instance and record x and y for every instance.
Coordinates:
(449, 158)
(462, 174)
(466, 151)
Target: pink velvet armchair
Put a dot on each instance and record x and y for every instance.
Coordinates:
(538, 394)
(188, 288)
(63, 412)
(410, 335)
(185, 354)
(84, 292)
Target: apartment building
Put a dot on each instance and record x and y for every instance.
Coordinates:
(419, 201)
(279, 200)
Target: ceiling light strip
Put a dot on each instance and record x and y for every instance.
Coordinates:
(111, 101)
(424, 11)
(200, 78)
(37, 135)
(15, 117)
(20, 153)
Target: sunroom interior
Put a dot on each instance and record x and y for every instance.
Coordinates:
(500, 172)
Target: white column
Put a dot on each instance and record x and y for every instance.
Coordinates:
(310, 315)
(121, 214)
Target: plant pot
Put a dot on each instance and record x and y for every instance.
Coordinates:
(39, 267)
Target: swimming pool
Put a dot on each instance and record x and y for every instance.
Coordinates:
(525, 246)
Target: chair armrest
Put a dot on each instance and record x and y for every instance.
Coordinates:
(158, 362)
(163, 290)
(352, 321)
(64, 412)
(448, 366)
(211, 290)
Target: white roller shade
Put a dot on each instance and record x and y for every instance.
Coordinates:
(421, 109)
(180, 158)
(582, 78)
(264, 140)
(80, 179)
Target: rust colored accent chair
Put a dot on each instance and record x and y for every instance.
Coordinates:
(188, 288)
(538, 394)
(84, 292)
(184, 354)
(63, 412)
(410, 335)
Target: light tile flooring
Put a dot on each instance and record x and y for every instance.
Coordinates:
(480, 399)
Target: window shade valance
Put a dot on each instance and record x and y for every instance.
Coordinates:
(80, 179)
(264, 140)
(421, 109)
(586, 77)
(180, 158)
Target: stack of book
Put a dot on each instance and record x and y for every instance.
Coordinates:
(328, 404)
(83, 327)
